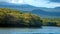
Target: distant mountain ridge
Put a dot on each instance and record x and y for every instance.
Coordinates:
(42, 12)
(23, 7)
(56, 9)
(36, 10)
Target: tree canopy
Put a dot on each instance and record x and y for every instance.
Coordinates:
(18, 18)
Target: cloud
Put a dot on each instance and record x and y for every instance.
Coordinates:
(13, 1)
(38, 3)
(58, 1)
(16, 1)
(42, 3)
(4, 0)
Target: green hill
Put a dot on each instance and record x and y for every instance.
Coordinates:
(15, 18)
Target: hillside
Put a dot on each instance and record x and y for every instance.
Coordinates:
(15, 18)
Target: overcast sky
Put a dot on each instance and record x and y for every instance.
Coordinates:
(38, 3)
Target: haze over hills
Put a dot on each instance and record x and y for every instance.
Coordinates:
(36, 10)
(56, 9)
(42, 12)
(23, 7)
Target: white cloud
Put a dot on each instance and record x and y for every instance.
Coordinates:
(38, 3)
(42, 3)
(13, 1)
(16, 1)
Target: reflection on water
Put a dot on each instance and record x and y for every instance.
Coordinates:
(44, 30)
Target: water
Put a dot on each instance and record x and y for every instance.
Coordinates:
(44, 30)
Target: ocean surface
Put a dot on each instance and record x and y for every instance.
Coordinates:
(43, 30)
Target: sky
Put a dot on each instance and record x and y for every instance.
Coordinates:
(38, 3)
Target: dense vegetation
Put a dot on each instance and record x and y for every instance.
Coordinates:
(14, 18)
(51, 21)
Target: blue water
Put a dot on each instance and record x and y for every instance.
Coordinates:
(44, 30)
